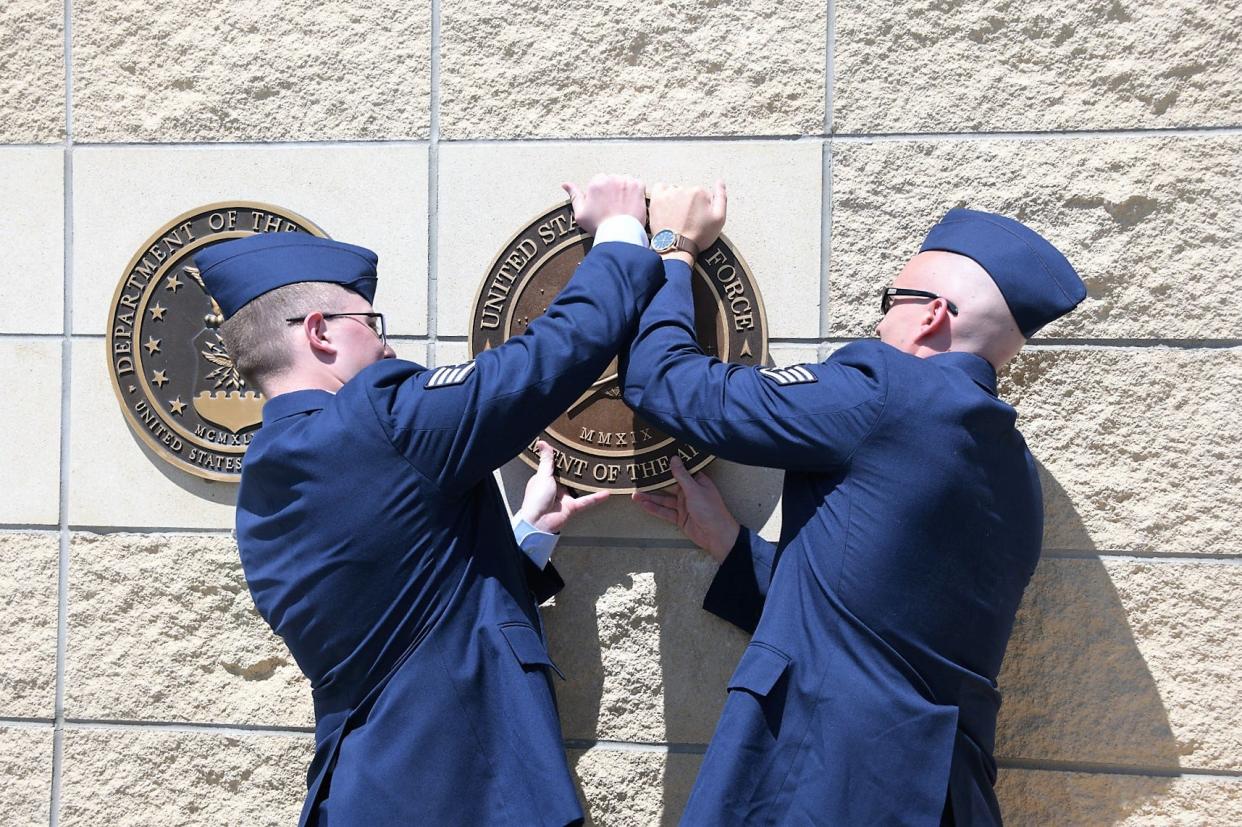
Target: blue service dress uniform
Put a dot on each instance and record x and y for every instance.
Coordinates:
(376, 544)
(911, 523)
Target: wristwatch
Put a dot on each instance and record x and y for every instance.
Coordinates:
(666, 241)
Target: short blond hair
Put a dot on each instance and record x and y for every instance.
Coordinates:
(256, 335)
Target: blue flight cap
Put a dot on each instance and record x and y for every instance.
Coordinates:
(1038, 282)
(237, 272)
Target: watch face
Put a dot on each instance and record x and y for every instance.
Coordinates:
(663, 240)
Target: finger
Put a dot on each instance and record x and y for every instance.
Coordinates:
(546, 457)
(666, 514)
(681, 474)
(720, 200)
(575, 194)
(587, 501)
(666, 500)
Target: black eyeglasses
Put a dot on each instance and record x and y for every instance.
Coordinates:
(889, 293)
(375, 321)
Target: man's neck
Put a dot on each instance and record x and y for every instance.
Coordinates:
(288, 383)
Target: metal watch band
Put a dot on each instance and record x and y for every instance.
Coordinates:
(686, 245)
(680, 242)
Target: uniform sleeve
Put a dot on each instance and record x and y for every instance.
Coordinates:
(740, 587)
(455, 424)
(544, 583)
(805, 417)
(535, 544)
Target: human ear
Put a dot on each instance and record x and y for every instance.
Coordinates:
(315, 328)
(934, 322)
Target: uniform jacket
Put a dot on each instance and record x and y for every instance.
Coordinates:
(376, 544)
(912, 521)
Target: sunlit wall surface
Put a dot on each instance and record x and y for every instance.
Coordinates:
(138, 684)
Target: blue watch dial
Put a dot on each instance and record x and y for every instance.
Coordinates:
(663, 240)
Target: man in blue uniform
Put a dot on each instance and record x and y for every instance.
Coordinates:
(374, 538)
(912, 521)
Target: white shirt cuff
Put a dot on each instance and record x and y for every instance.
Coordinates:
(625, 228)
(535, 544)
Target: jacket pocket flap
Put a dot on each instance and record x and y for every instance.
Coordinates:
(527, 647)
(759, 669)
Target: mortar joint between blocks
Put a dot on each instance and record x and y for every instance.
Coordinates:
(433, 189)
(66, 377)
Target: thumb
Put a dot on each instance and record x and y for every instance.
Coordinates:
(575, 194)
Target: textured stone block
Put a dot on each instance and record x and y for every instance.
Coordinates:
(32, 224)
(515, 68)
(32, 86)
(180, 71)
(130, 778)
(643, 661)
(375, 196)
(116, 480)
(26, 770)
(29, 570)
(162, 627)
(932, 66)
(1152, 224)
(1118, 661)
(1040, 797)
(625, 787)
(489, 192)
(30, 455)
(1139, 447)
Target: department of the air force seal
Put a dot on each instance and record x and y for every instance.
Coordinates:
(602, 445)
(177, 386)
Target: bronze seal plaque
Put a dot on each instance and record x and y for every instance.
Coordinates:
(602, 445)
(177, 386)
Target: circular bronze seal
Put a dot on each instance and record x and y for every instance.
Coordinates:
(602, 445)
(177, 386)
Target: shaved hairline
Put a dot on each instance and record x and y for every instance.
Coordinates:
(256, 336)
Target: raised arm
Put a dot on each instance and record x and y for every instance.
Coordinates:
(807, 417)
(458, 423)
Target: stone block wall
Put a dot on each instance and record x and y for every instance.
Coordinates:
(139, 685)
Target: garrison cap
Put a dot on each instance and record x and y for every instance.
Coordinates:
(1038, 282)
(237, 272)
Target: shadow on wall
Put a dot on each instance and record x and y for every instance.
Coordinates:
(646, 664)
(217, 492)
(1077, 690)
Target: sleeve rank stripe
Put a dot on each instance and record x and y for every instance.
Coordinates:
(795, 375)
(451, 375)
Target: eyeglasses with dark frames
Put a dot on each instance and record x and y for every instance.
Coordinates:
(890, 293)
(374, 320)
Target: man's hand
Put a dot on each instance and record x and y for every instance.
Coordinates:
(606, 196)
(693, 212)
(547, 504)
(696, 508)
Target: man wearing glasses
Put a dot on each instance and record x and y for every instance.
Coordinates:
(912, 521)
(374, 538)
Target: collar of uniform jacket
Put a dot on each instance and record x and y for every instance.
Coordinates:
(294, 402)
(976, 367)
